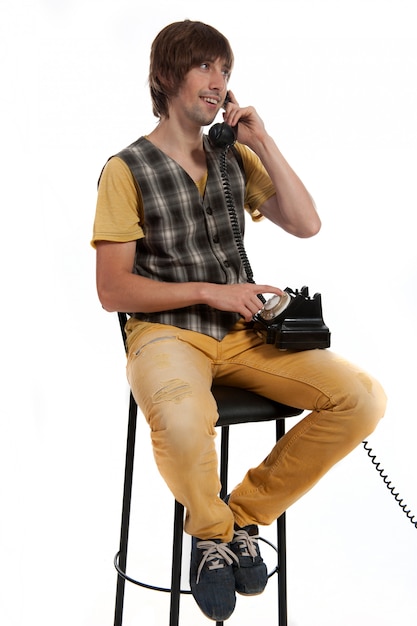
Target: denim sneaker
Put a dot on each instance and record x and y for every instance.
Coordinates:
(212, 580)
(251, 574)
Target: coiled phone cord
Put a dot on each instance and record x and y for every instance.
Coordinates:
(389, 484)
(230, 203)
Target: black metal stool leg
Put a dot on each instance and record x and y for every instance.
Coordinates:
(282, 551)
(176, 564)
(127, 498)
(282, 570)
(224, 462)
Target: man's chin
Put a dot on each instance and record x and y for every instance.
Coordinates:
(210, 121)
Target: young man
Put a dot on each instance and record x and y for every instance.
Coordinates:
(166, 252)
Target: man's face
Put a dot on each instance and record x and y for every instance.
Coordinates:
(202, 92)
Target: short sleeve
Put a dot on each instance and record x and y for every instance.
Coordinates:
(119, 210)
(259, 185)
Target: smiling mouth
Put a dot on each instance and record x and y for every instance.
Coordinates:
(214, 101)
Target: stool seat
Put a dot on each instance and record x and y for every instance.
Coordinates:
(240, 406)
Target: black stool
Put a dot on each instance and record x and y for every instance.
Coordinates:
(235, 406)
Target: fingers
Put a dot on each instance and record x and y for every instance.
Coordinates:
(269, 289)
(243, 298)
(253, 304)
(231, 97)
(232, 110)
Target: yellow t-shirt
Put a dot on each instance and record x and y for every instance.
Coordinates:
(120, 212)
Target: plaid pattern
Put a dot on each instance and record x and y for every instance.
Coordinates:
(187, 238)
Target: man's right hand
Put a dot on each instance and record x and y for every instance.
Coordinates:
(240, 298)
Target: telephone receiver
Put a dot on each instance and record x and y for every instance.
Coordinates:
(222, 135)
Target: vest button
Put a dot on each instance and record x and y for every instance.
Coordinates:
(226, 263)
(209, 210)
(215, 239)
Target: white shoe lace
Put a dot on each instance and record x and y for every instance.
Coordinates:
(248, 544)
(215, 556)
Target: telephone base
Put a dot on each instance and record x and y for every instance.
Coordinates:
(298, 326)
(298, 338)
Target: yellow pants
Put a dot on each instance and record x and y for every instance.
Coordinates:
(171, 372)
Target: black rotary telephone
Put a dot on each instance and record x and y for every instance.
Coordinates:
(293, 321)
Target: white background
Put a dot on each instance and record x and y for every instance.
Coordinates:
(335, 82)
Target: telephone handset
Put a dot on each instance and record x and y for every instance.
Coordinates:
(222, 135)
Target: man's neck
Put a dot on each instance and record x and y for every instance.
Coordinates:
(185, 146)
(171, 136)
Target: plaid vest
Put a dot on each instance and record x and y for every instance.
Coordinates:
(187, 237)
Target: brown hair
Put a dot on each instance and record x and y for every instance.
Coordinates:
(175, 50)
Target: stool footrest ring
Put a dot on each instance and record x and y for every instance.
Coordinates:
(139, 583)
(168, 589)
